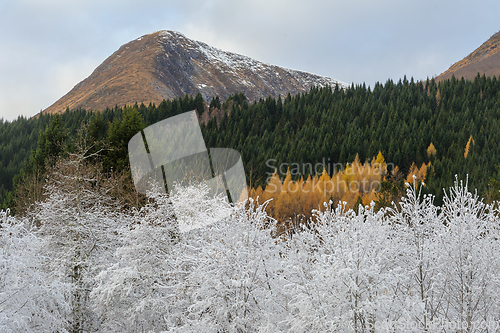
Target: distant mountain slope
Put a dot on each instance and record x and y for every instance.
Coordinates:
(484, 60)
(166, 65)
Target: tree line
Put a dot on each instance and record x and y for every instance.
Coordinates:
(409, 122)
(451, 126)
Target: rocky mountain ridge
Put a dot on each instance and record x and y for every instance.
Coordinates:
(167, 64)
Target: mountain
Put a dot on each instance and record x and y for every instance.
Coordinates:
(167, 64)
(484, 60)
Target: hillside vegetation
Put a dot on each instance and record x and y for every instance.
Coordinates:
(452, 128)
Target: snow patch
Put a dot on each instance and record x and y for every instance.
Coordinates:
(233, 62)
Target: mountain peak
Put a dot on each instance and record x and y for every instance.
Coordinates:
(483, 60)
(166, 64)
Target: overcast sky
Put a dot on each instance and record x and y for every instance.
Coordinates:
(48, 46)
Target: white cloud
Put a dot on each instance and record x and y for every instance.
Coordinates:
(48, 46)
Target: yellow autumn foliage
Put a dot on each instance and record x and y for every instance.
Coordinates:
(295, 200)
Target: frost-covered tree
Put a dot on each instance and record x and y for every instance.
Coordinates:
(216, 278)
(341, 274)
(195, 206)
(470, 261)
(78, 222)
(417, 227)
(142, 290)
(30, 301)
(89, 265)
(234, 282)
(146, 289)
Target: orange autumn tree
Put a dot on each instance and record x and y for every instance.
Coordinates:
(294, 201)
(417, 174)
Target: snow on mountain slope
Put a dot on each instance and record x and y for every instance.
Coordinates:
(167, 64)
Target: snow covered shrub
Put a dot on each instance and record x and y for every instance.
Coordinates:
(340, 274)
(470, 261)
(143, 289)
(195, 207)
(146, 290)
(218, 278)
(417, 228)
(191, 262)
(233, 283)
(30, 301)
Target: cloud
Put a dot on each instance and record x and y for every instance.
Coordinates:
(48, 46)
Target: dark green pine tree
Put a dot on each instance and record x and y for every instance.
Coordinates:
(119, 134)
(50, 143)
(215, 103)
